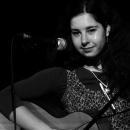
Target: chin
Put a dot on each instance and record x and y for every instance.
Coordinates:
(90, 55)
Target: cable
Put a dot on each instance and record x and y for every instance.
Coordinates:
(12, 85)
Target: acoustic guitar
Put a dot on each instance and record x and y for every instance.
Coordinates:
(73, 121)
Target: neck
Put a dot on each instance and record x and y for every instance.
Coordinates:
(94, 69)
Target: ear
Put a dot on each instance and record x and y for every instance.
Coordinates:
(108, 28)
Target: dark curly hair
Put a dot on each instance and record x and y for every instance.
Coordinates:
(115, 57)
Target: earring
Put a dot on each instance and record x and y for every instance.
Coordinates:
(107, 32)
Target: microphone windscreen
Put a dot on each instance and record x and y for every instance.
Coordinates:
(61, 44)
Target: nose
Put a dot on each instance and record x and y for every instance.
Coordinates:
(84, 40)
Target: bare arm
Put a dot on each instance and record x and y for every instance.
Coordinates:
(27, 120)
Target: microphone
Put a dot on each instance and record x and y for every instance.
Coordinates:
(59, 43)
(32, 37)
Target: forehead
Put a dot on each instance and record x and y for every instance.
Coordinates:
(83, 20)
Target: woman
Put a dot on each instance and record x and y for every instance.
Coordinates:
(96, 60)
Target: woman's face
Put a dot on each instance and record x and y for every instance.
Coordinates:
(88, 36)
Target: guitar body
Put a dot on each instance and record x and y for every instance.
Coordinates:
(70, 122)
(5, 124)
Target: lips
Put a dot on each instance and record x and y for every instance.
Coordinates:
(87, 48)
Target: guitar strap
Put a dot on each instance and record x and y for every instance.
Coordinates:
(91, 123)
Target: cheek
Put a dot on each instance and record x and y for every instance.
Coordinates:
(76, 41)
(72, 38)
(99, 39)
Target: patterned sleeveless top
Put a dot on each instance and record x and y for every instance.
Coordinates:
(79, 98)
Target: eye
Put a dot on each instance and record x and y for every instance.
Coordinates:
(75, 33)
(91, 31)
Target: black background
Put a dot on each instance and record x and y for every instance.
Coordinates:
(37, 18)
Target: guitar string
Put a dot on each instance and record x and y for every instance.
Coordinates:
(86, 122)
(106, 89)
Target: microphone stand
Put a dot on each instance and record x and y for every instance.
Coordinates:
(105, 108)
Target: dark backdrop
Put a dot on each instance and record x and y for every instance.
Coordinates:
(37, 18)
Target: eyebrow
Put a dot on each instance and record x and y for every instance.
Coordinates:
(87, 28)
